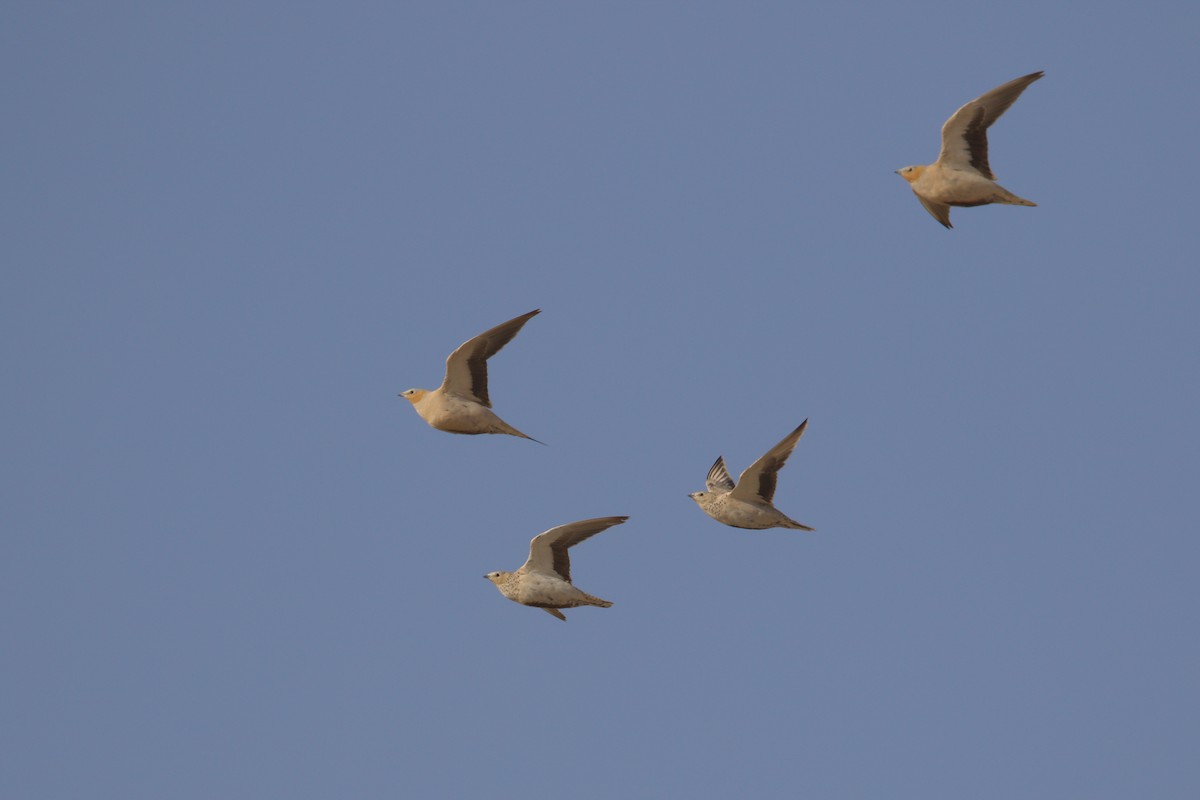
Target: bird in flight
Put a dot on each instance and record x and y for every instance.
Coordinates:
(544, 581)
(748, 504)
(961, 175)
(461, 404)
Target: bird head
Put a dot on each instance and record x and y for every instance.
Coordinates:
(699, 497)
(910, 174)
(413, 395)
(497, 577)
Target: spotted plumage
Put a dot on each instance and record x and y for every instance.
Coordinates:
(749, 502)
(544, 580)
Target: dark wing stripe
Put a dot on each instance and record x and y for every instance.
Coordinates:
(562, 561)
(768, 478)
(976, 139)
(479, 381)
(491, 342)
(475, 352)
(581, 531)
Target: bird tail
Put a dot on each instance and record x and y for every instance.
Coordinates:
(1008, 198)
(596, 601)
(504, 427)
(796, 526)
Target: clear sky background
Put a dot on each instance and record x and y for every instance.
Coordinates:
(235, 564)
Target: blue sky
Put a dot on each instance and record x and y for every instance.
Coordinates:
(235, 564)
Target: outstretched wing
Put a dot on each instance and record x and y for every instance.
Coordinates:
(964, 136)
(466, 367)
(757, 483)
(548, 551)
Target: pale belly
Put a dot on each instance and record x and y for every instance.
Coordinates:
(740, 514)
(956, 188)
(545, 590)
(456, 415)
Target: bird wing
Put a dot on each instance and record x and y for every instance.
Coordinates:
(757, 483)
(718, 477)
(548, 551)
(940, 211)
(466, 367)
(964, 136)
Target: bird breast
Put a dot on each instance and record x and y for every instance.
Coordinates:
(539, 589)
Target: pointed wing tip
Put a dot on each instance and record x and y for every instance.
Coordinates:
(795, 435)
(1018, 83)
(613, 520)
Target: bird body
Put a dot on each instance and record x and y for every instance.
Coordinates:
(961, 176)
(544, 580)
(725, 508)
(748, 503)
(454, 413)
(462, 404)
(545, 591)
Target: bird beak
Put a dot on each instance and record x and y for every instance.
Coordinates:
(897, 172)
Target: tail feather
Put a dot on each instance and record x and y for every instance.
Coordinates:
(504, 427)
(1008, 198)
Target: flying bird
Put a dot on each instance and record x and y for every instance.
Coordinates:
(461, 404)
(544, 581)
(961, 175)
(748, 504)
